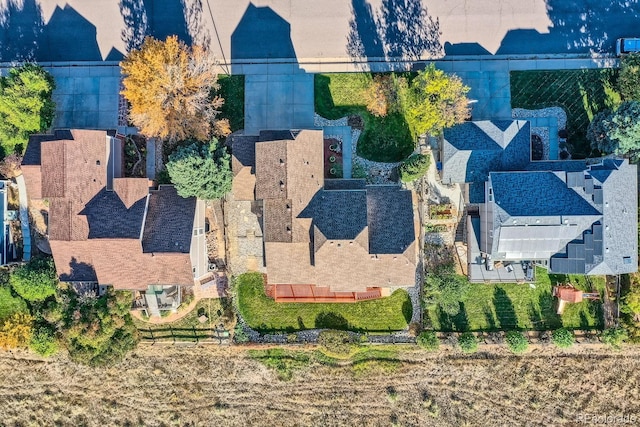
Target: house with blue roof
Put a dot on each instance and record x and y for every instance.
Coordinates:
(572, 216)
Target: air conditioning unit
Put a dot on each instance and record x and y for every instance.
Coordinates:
(213, 266)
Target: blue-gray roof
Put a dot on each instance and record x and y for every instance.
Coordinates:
(390, 219)
(537, 194)
(473, 149)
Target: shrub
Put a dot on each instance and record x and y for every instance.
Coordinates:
(629, 77)
(517, 342)
(239, 335)
(614, 337)
(284, 362)
(35, 281)
(201, 170)
(338, 343)
(414, 167)
(445, 289)
(15, 331)
(468, 342)
(381, 96)
(44, 342)
(428, 340)
(99, 331)
(563, 338)
(598, 133)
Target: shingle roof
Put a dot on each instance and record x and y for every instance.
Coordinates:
(243, 152)
(473, 149)
(322, 236)
(537, 194)
(390, 219)
(169, 222)
(338, 214)
(94, 232)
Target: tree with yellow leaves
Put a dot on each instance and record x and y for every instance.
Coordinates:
(171, 89)
(434, 100)
(16, 331)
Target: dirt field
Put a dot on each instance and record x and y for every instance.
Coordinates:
(166, 386)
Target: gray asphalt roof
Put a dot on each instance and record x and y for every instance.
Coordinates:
(473, 149)
(390, 212)
(338, 214)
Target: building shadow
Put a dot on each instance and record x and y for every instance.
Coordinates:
(262, 34)
(68, 36)
(285, 99)
(399, 29)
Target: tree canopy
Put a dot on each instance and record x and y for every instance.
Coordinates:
(629, 77)
(35, 281)
(434, 100)
(98, 331)
(201, 170)
(414, 167)
(445, 289)
(617, 132)
(26, 105)
(170, 88)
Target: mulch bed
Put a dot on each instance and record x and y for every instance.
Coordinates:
(337, 157)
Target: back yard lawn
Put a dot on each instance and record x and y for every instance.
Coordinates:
(581, 93)
(384, 139)
(265, 315)
(189, 327)
(518, 306)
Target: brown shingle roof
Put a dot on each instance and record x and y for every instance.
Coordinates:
(271, 170)
(130, 190)
(95, 233)
(323, 237)
(169, 222)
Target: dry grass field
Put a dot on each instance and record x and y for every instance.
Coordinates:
(204, 386)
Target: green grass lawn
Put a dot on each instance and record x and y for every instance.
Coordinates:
(384, 139)
(517, 306)
(184, 327)
(232, 90)
(582, 93)
(10, 304)
(265, 315)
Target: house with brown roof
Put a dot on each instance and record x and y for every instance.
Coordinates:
(112, 230)
(334, 240)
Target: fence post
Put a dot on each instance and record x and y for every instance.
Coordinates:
(152, 338)
(172, 336)
(195, 335)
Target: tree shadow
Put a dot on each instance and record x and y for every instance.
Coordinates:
(548, 309)
(21, 29)
(407, 310)
(136, 24)
(399, 29)
(79, 272)
(329, 320)
(490, 319)
(577, 28)
(505, 312)
(448, 323)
